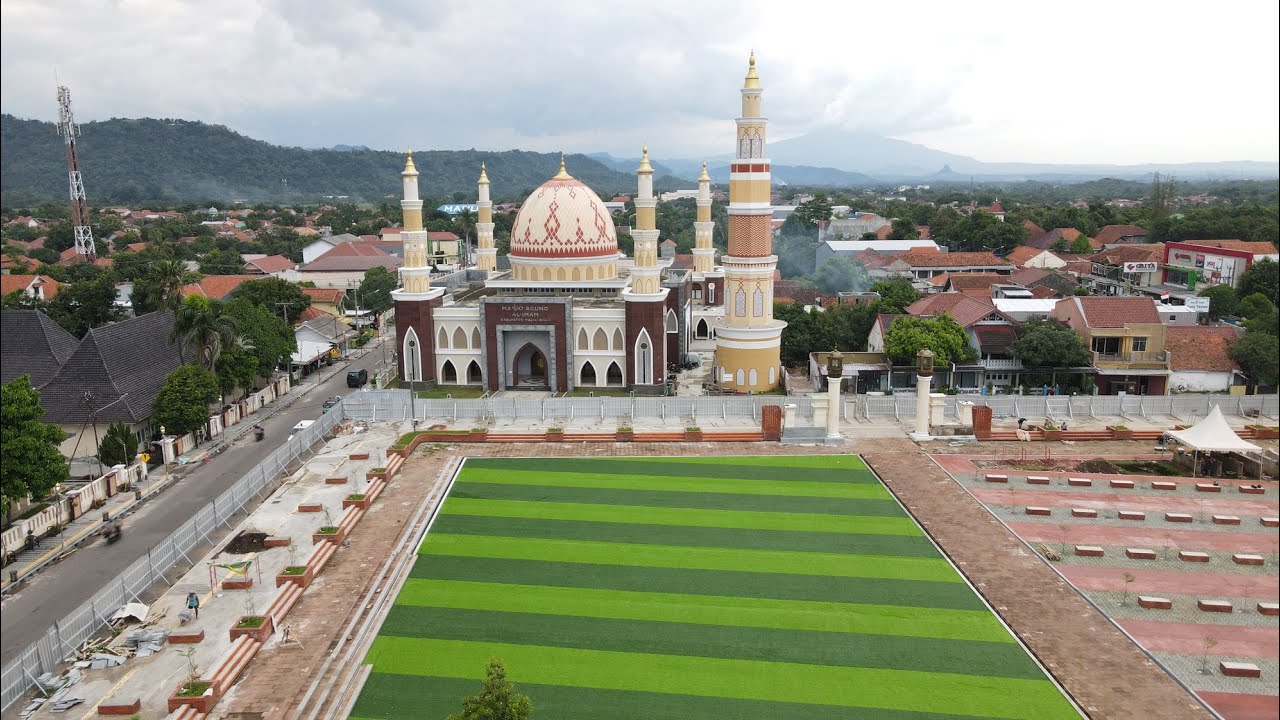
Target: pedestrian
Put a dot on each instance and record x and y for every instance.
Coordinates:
(193, 603)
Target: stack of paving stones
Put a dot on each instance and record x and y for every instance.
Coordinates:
(1213, 641)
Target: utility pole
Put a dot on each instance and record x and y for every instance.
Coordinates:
(68, 129)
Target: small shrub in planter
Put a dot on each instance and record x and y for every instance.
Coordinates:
(693, 432)
(1120, 432)
(297, 574)
(328, 533)
(625, 433)
(555, 433)
(359, 500)
(258, 627)
(193, 689)
(199, 694)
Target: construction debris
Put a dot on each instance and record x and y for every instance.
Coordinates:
(135, 611)
(146, 642)
(100, 661)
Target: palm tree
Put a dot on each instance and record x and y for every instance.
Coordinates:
(201, 322)
(165, 280)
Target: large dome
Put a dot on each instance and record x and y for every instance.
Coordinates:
(563, 219)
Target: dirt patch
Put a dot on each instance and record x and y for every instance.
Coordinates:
(246, 542)
(1100, 466)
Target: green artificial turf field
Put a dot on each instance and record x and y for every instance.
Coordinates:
(635, 588)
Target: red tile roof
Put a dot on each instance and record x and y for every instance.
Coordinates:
(1035, 230)
(11, 283)
(963, 309)
(1129, 253)
(310, 313)
(390, 231)
(1046, 241)
(270, 264)
(441, 235)
(1200, 348)
(1024, 254)
(1108, 234)
(1257, 248)
(995, 339)
(1111, 312)
(975, 284)
(354, 249)
(955, 259)
(217, 287)
(331, 296)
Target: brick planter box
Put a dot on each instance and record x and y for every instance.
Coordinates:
(1122, 484)
(1089, 551)
(274, 542)
(1084, 513)
(241, 584)
(118, 706)
(202, 703)
(335, 481)
(358, 456)
(1079, 482)
(185, 637)
(1120, 433)
(1226, 520)
(1052, 434)
(260, 633)
(1037, 480)
(1265, 432)
(1269, 608)
(1140, 554)
(1245, 559)
(1219, 606)
(692, 435)
(1132, 515)
(1247, 490)
(336, 538)
(477, 436)
(555, 436)
(310, 507)
(1151, 602)
(1239, 669)
(1193, 556)
(362, 503)
(1042, 511)
(1270, 521)
(1164, 485)
(301, 580)
(625, 436)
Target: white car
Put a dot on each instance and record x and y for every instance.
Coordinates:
(302, 425)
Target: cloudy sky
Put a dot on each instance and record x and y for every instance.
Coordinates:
(1116, 81)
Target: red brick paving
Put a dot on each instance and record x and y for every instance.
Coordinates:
(1238, 706)
(1106, 673)
(1200, 584)
(1155, 534)
(1219, 504)
(1188, 638)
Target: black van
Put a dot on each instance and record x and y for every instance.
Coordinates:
(357, 378)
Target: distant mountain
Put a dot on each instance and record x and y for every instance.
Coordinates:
(885, 158)
(147, 160)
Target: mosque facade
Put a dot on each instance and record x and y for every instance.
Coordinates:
(573, 313)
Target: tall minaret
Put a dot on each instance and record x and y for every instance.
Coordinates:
(703, 252)
(415, 299)
(486, 254)
(644, 276)
(748, 338)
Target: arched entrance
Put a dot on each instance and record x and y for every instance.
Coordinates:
(587, 378)
(530, 369)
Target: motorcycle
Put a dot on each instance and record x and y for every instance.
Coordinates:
(112, 533)
(258, 433)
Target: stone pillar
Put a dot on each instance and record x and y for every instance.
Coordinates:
(922, 407)
(771, 422)
(833, 409)
(981, 422)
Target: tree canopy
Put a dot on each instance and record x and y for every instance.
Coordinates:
(1222, 300)
(375, 289)
(1262, 277)
(86, 304)
(1258, 356)
(119, 446)
(497, 699)
(1049, 343)
(895, 294)
(274, 294)
(182, 405)
(810, 212)
(941, 335)
(266, 336)
(33, 466)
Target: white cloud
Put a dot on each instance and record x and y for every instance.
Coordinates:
(1088, 82)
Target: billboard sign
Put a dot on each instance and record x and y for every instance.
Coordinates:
(1141, 267)
(1199, 304)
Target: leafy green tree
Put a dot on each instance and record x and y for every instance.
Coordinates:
(1258, 356)
(845, 327)
(202, 324)
(1268, 324)
(160, 288)
(895, 294)
(1262, 277)
(980, 232)
(1080, 245)
(274, 294)
(266, 336)
(20, 300)
(119, 446)
(375, 289)
(236, 367)
(1254, 306)
(801, 335)
(222, 262)
(1222, 300)
(1049, 343)
(942, 335)
(29, 454)
(841, 274)
(497, 700)
(811, 212)
(1060, 245)
(182, 405)
(904, 229)
(82, 306)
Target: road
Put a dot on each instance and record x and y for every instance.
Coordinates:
(61, 588)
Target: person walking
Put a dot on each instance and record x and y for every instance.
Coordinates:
(193, 604)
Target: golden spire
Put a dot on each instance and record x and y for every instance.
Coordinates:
(704, 175)
(563, 174)
(409, 169)
(484, 177)
(753, 80)
(645, 168)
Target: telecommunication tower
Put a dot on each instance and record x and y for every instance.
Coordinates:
(68, 129)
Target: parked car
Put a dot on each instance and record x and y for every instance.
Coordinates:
(357, 378)
(329, 402)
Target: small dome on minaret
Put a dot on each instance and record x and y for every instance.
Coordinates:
(409, 169)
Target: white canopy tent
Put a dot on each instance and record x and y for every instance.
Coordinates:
(1213, 434)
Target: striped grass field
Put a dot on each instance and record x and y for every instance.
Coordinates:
(647, 588)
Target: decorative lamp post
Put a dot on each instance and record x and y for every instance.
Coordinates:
(410, 371)
(835, 374)
(924, 376)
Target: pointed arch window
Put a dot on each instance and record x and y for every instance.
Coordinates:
(613, 376)
(442, 339)
(757, 303)
(475, 338)
(618, 342)
(702, 331)
(459, 339)
(740, 303)
(474, 375)
(672, 324)
(587, 376)
(582, 339)
(448, 373)
(644, 359)
(753, 378)
(600, 341)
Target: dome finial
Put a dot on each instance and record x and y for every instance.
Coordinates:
(753, 80)
(409, 168)
(484, 177)
(645, 167)
(704, 176)
(563, 174)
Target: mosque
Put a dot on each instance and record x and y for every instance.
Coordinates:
(573, 313)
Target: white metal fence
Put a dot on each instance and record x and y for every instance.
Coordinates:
(67, 634)
(382, 405)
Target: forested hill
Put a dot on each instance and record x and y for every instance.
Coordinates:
(174, 161)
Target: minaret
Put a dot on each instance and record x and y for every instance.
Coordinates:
(644, 276)
(703, 252)
(486, 254)
(748, 338)
(415, 299)
(646, 299)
